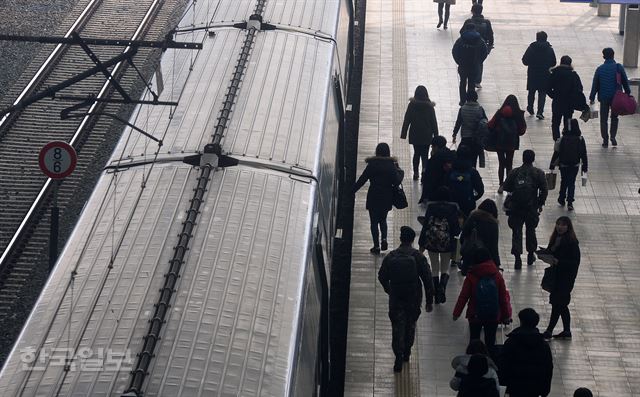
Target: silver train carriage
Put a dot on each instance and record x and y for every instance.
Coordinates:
(244, 318)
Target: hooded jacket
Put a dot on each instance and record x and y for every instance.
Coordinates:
(483, 26)
(508, 140)
(469, 51)
(383, 174)
(469, 287)
(460, 168)
(565, 88)
(468, 120)
(488, 232)
(526, 366)
(569, 148)
(538, 58)
(420, 121)
(604, 81)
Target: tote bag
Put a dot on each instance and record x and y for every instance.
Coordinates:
(622, 103)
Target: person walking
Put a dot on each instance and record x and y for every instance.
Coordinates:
(485, 291)
(469, 51)
(446, 5)
(565, 90)
(565, 249)
(526, 366)
(528, 187)
(470, 116)
(384, 174)
(461, 364)
(475, 383)
(569, 151)
(539, 58)
(400, 274)
(440, 227)
(437, 169)
(465, 182)
(483, 26)
(605, 84)
(420, 121)
(484, 221)
(509, 124)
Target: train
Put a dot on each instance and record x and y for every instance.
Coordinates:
(200, 265)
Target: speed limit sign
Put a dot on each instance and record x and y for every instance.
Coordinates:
(57, 159)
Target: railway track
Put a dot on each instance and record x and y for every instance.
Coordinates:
(25, 193)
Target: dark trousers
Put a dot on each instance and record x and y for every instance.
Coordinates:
(474, 150)
(446, 12)
(378, 220)
(558, 311)
(605, 107)
(479, 75)
(403, 327)
(542, 96)
(558, 116)
(530, 221)
(568, 183)
(420, 152)
(467, 82)
(490, 329)
(505, 164)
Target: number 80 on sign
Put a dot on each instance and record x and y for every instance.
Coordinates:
(57, 159)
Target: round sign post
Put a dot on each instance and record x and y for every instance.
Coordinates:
(57, 160)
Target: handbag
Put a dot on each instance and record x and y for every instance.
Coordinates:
(399, 198)
(549, 279)
(551, 178)
(622, 103)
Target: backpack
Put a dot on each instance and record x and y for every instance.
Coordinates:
(404, 270)
(461, 186)
(570, 150)
(438, 234)
(482, 28)
(525, 191)
(487, 305)
(469, 57)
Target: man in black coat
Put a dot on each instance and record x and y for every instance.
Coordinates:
(483, 26)
(400, 275)
(526, 364)
(565, 88)
(469, 51)
(538, 58)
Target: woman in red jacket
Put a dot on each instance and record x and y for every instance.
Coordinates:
(485, 291)
(509, 125)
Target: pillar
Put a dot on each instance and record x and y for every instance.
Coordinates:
(604, 10)
(631, 39)
(621, 20)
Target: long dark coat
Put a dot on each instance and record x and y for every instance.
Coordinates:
(488, 232)
(565, 88)
(539, 58)
(420, 121)
(382, 173)
(526, 364)
(568, 256)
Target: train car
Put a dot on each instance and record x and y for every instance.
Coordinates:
(247, 311)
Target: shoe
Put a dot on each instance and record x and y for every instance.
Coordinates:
(518, 263)
(383, 245)
(406, 357)
(530, 110)
(416, 176)
(539, 116)
(563, 335)
(500, 190)
(397, 365)
(531, 258)
(614, 142)
(570, 206)
(478, 86)
(605, 144)
(439, 24)
(375, 250)
(546, 335)
(445, 26)
(561, 203)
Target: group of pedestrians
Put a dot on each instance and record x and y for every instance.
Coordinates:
(454, 232)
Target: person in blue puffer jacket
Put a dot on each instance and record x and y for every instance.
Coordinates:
(605, 85)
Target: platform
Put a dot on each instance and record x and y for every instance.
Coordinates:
(403, 48)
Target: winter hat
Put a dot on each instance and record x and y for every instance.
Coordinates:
(582, 392)
(478, 365)
(407, 235)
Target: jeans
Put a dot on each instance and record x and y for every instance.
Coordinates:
(568, 183)
(605, 107)
(530, 221)
(505, 163)
(542, 95)
(490, 329)
(420, 152)
(467, 82)
(556, 118)
(378, 219)
(558, 311)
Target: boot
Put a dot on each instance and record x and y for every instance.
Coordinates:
(518, 263)
(397, 365)
(444, 279)
(436, 288)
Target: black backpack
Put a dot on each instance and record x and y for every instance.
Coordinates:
(469, 55)
(487, 304)
(525, 192)
(570, 149)
(404, 275)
